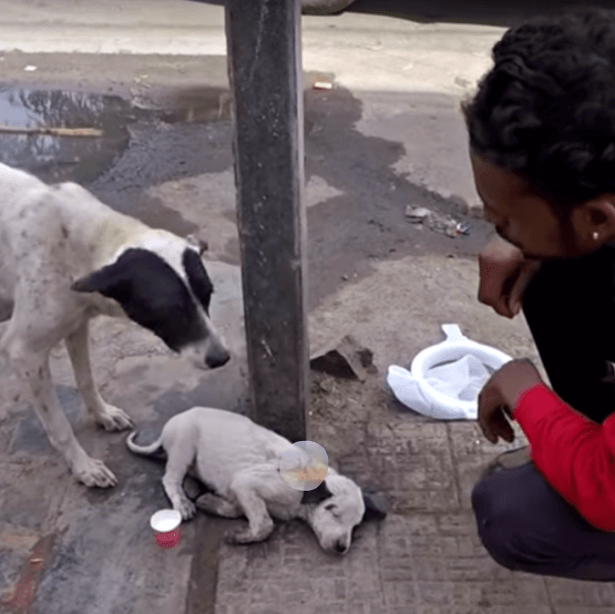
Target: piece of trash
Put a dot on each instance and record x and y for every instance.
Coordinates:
(81, 132)
(165, 524)
(465, 228)
(437, 222)
(323, 85)
(347, 360)
(417, 215)
(30, 68)
(345, 277)
(445, 379)
(451, 230)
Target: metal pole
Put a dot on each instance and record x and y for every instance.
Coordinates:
(264, 55)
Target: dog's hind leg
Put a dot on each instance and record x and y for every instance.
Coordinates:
(218, 506)
(33, 368)
(107, 416)
(261, 524)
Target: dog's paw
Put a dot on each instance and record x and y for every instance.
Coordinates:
(187, 509)
(217, 506)
(238, 537)
(93, 473)
(114, 419)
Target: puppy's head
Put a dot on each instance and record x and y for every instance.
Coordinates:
(162, 285)
(338, 506)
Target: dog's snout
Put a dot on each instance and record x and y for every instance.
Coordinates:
(341, 547)
(217, 359)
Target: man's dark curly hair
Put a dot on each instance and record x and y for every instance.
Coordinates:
(546, 110)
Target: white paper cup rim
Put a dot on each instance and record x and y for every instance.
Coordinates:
(164, 521)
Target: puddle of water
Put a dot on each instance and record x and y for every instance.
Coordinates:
(61, 158)
(201, 104)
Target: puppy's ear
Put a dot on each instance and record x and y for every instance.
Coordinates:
(317, 495)
(101, 281)
(375, 508)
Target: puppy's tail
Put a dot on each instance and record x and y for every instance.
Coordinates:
(154, 449)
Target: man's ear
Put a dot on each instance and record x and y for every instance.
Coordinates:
(101, 281)
(317, 495)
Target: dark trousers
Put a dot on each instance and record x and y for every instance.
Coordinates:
(524, 524)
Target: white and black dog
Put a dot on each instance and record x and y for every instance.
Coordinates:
(239, 461)
(65, 257)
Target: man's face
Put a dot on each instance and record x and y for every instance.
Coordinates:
(522, 217)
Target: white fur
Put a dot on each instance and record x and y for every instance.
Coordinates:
(239, 460)
(51, 236)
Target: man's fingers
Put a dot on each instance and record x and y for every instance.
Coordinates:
(502, 427)
(525, 277)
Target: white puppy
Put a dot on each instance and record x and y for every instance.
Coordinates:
(240, 462)
(65, 257)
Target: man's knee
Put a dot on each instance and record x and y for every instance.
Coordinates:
(495, 523)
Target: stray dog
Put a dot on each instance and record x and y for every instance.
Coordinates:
(240, 462)
(65, 257)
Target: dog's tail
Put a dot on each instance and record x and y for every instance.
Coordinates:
(154, 449)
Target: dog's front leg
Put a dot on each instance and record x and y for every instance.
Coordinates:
(34, 369)
(108, 416)
(255, 509)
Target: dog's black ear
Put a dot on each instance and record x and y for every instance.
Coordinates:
(99, 281)
(317, 495)
(375, 508)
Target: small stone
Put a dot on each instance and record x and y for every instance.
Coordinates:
(345, 277)
(347, 359)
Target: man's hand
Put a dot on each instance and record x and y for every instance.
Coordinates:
(504, 276)
(499, 396)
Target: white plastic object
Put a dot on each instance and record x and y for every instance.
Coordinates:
(164, 521)
(412, 389)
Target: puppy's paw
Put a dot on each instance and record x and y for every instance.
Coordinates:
(217, 506)
(239, 536)
(114, 419)
(186, 508)
(93, 473)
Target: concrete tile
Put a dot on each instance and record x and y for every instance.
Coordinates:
(576, 593)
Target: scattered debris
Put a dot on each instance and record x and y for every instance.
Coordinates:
(416, 215)
(91, 132)
(437, 222)
(347, 359)
(30, 68)
(465, 228)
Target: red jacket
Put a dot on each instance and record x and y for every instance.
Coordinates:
(575, 455)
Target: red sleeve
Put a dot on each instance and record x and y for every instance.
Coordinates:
(575, 455)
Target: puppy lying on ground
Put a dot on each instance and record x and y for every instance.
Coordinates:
(65, 257)
(239, 461)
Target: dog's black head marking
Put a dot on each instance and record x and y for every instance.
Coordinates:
(199, 280)
(317, 495)
(152, 294)
(375, 507)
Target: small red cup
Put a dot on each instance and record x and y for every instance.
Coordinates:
(167, 540)
(165, 524)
